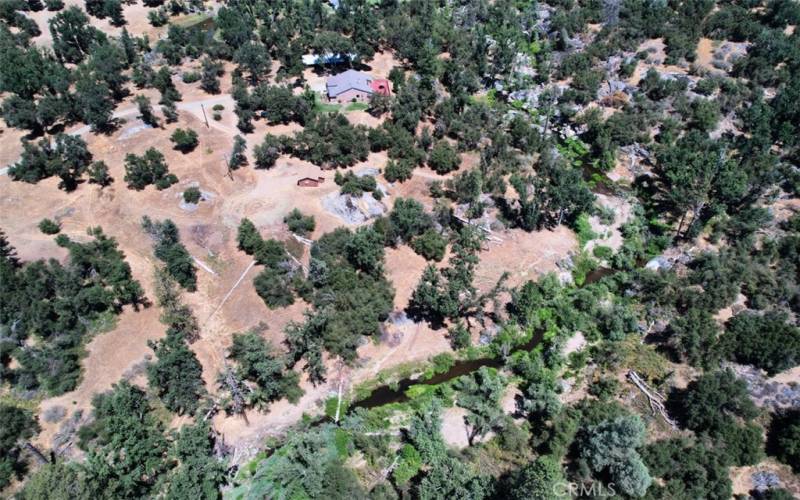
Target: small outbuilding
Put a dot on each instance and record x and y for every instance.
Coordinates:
(310, 181)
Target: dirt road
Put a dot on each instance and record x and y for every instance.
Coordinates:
(194, 107)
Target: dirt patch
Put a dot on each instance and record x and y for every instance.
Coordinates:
(656, 55)
(743, 477)
(403, 268)
(574, 344)
(454, 430)
(609, 234)
(705, 53)
(525, 256)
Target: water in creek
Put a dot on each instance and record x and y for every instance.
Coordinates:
(386, 394)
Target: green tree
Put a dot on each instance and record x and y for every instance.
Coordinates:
(365, 251)
(98, 174)
(48, 226)
(443, 158)
(253, 58)
(146, 113)
(268, 152)
(125, 445)
(150, 168)
(710, 403)
(185, 140)
(67, 157)
(73, 35)
(210, 75)
(480, 394)
(687, 470)
(409, 219)
(695, 336)
(238, 158)
(192, 195)
(766, 341)
(18, 425)
(57, 481)
(783, 440)
(176, 375)
(199, 474)
(430, 245)
(274, 287)
(330, 140)
(248, 237)
(611, 446)
(169, 249)
(537, 480)
(93, 101)
(300, 224)
(257, 363)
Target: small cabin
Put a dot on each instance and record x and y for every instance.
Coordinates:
(310, 181)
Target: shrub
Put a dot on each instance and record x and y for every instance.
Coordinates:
(768, 342)
(218, 107)
(48, 226)
(398, 170)
(443, 158)
(584, 230)
(190, 77)
(192, 195)
(602, 252)
(355, 185)
(299, 223)
(184, 140)
(430, 245)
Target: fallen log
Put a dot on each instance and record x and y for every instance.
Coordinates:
(655, 399)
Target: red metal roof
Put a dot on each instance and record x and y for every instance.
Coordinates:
(381, 86)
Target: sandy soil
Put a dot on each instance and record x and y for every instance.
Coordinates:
(454, 430)
(705, 54)
(525, 256)
(574, 344)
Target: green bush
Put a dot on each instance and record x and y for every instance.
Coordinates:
(584, 230)
(185, 140)
(48, 226)
(190, 77)
(408, 466)
(443, 158)
(299, 223)
(430, 245)
(192, 195)
(602, 252)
